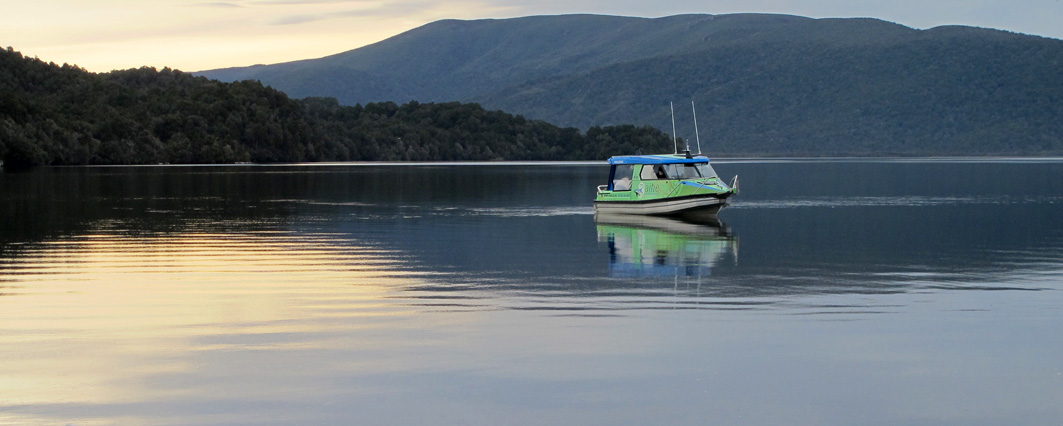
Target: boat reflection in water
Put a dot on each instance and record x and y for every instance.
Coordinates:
(653, 246)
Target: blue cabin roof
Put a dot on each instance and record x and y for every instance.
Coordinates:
(657, 159)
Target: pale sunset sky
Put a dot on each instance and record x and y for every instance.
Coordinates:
(194, 35)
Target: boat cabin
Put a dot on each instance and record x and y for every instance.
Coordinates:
(624, 170)
(669, 184)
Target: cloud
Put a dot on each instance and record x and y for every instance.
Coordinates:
(219, 4)
(299, 19)
(299, 2)
(400, 9)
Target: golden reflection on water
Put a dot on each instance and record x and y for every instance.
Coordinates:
(90, 318)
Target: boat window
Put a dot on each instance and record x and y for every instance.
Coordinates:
(669, 171)
(706, 170)
(677, 171)
(652, 172)
(691, 171)
(622, 175)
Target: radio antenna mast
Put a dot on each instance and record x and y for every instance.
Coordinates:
(675, 140)
(695, 126)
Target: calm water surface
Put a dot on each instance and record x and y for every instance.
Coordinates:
(832, 293)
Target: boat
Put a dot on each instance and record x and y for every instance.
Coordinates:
(665, 185)
(677, 184)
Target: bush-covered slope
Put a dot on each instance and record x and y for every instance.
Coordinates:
(52, 114)
(763, 84)
(450, 60)
(950, 91)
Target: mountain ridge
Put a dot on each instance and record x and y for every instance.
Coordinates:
(765, 84)
(442, 43)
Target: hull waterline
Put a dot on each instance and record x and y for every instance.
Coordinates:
(705, 206)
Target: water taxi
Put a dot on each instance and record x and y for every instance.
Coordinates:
(678, 184)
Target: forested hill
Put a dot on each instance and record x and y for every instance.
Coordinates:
(763, 84)
(63, 115)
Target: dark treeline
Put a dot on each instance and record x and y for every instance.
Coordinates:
(65, 115)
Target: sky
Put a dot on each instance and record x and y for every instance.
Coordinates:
(195, 35)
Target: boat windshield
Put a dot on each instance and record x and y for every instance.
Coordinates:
(705, 170)
(678, 171)
(622, 175)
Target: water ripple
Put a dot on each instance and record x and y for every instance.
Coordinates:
(900, 201)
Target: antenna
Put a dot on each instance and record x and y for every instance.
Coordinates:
(696, 126)
(675, 141)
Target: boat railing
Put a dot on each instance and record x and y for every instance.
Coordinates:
(603, 188)
(734, 184)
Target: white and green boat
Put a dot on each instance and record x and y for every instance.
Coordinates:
(664, 185)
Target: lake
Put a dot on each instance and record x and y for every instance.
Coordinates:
(872, 292)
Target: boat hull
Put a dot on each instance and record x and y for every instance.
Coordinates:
(707, 205)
